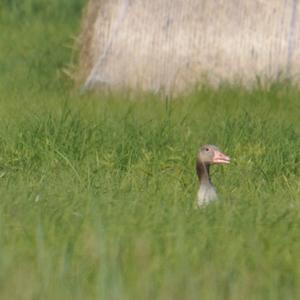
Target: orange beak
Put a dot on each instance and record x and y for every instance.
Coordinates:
(220, 158)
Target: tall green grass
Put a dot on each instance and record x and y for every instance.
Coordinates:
(98, 192)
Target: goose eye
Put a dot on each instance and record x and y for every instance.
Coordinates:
(206, 149)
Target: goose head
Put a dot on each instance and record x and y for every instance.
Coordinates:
(208, 155)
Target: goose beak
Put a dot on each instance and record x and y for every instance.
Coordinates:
(220, 158)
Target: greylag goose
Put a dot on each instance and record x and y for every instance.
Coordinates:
(208, 155)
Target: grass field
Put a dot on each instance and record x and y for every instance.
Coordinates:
(98, 192)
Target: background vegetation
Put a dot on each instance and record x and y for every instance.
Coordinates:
(97, 192)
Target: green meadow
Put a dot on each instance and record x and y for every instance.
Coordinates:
(97, 192)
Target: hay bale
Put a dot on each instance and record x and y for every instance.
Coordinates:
(171, 45)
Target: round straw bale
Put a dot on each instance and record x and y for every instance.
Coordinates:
(170, 46)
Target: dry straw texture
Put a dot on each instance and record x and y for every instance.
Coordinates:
(171, 45)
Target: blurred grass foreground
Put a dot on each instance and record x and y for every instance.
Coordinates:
(98, 191)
